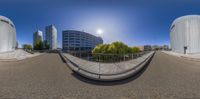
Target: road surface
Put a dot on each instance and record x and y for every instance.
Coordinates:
(47, 77)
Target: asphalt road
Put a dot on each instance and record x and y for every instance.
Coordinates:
(47, 77)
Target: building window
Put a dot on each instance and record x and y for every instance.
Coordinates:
(77, 41)
(71, 38)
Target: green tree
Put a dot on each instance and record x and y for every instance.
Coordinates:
(104, 48)
(114, 51)
(135, 50)
(113, 48)
(38, 44)
(46, 45)
(27, 47)
(119, 48)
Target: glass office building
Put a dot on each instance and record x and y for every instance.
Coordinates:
(79, 41)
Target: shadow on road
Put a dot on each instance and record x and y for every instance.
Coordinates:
(110, 83)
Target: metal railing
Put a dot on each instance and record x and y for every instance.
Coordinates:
(101, 63)
(110, 58)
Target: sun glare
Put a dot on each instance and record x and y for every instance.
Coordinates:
(99, 31)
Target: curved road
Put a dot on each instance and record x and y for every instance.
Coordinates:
(47, 77)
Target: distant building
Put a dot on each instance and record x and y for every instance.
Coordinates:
(37, 36)
(51, 36)
(79, 41)
(156, 47)
(153, 47)
(7, 35)
(140, 47)
(160, 47)
(165, 47)
(147, 48)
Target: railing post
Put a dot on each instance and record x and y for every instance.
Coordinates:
(99, 69)
(98, 58)
(88, 56)
(132, 55)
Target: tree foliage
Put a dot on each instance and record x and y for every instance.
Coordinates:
(119, 48)
(114, 52)
(27, 47)
(135, 49)
(115, 48)
(46, 45)
(38, 44)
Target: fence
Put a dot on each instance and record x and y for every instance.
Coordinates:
(109, 58)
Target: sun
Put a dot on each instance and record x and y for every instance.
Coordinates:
(99, 31)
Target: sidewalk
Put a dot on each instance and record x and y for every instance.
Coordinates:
(187, 56)
(16, 55)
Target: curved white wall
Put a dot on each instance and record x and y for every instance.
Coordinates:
(185, 32)
(7, 35)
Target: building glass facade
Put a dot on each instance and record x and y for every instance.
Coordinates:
(79, 41)
(51, 36)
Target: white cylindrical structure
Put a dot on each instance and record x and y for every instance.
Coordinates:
(185, 35)
(7, 35)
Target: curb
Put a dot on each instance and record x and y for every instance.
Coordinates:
(17, 60)
(106, 77)
(184, 57)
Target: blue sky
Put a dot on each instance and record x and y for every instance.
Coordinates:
(135, 22)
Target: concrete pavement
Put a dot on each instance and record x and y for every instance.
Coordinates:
(47, 77)
(16, 55)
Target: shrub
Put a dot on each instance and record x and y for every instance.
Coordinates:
(113, 48)
(38, 44)
(46, 45)
(115, 51)
(27, 47)
(135, 50)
